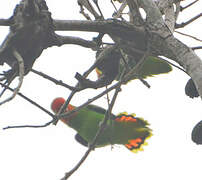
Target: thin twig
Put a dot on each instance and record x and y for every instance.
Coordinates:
(83, 12)
(188, 22)
(119, 12)
(7, 82)
(99, 132)
(196, 48)
(98, 7)
(113, 5)
(99, 59)
(21, 76)
(173, 64)
(89, 7)
(57, 82)
(189, 36)
(32, 102)
(62, 115)
(134, 70)
(183, 8)
(145, 82)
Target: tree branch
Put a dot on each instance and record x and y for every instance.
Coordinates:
(57, 82)
(89, 7)
(188, 22)
(196, 48)
(195, 38)
(32, 102)
(184, 55)
(77, 41)
(5, 22)
(99, 132)
(189, 5)
(21, 76)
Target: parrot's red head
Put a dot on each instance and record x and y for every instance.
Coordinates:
(57, 104)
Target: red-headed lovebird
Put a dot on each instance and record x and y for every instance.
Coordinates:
(123, 129)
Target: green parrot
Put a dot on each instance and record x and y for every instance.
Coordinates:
(152, 66)
(112, 66)
(123, 129)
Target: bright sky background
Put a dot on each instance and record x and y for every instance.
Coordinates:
(48, 153)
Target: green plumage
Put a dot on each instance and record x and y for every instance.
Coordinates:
(152, 66)
(86, 122)
(113, 64)
(119, 130)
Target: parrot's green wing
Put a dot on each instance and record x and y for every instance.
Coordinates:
(152, 66)
(98, 109)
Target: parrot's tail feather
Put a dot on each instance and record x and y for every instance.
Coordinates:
(135, 145)
(125, 117)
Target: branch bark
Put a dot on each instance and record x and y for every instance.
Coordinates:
(183, 54)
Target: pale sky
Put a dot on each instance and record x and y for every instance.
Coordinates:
(47, 153)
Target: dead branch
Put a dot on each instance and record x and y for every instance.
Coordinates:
(31, 22)
(77, 41)
(21, 76)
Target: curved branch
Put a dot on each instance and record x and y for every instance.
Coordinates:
(183, 54)
(21, 76)
(77, 41)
